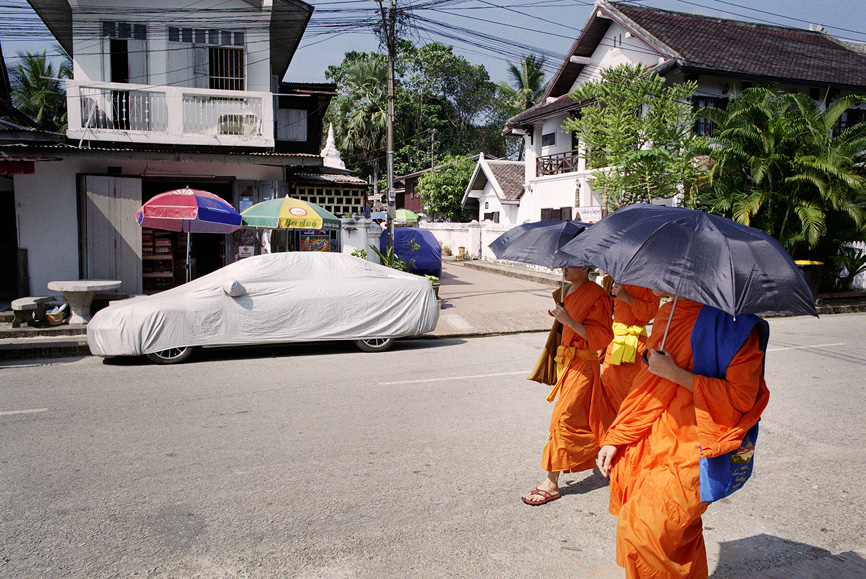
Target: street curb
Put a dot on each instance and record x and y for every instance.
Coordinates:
(23, 348)
(513, 271)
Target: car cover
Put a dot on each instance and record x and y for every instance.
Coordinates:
(281, 297)
(418, 248)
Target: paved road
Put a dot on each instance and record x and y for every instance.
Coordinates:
(299, 462)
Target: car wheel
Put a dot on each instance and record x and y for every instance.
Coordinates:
(374, 344)
(171, 356)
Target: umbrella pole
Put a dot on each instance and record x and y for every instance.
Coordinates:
(668, 327)
(187, 257)
(562, 289)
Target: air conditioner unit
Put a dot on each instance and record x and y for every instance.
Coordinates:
(244, 125)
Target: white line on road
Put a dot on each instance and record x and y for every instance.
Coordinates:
(805, 347)
(31, 411)
(452, 378)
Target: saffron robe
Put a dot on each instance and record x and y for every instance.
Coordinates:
(583, 410)
(619, 378)
(661, 431)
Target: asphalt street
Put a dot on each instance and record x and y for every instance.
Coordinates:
(311, 462)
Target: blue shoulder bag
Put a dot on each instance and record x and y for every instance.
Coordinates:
(716, 339)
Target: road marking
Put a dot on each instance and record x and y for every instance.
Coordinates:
(452, 378)
(31, 411)
(805, 347)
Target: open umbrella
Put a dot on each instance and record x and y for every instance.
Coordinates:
(405, 216)
(289, 213)
(702, 257)
(189, 210)
(537, 242)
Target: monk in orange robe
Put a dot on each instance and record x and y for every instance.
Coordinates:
(583, 410)
(633, 308)
(651, 452)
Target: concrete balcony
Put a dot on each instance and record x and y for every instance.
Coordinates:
(169, 115)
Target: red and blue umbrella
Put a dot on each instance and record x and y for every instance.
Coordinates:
(189, 210)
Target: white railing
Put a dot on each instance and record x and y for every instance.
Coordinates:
(170, 115)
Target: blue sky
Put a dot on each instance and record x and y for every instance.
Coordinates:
(510, 28)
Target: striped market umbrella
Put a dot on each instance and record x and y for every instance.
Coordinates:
(289, 213)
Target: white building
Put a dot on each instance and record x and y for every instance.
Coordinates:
(164, 95)
(723, 56)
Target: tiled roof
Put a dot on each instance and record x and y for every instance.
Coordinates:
(750, 50)
(510, 175)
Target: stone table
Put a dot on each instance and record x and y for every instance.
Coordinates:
(79, 295)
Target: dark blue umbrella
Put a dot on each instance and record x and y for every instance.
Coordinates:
(702, 257)
(537, 242)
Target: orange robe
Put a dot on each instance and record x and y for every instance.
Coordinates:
(661, 431)
(583, 410)
(619, 378)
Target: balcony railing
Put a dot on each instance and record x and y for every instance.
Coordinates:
(170, 115)
(557, 164)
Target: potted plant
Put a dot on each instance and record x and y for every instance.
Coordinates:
(446, 250)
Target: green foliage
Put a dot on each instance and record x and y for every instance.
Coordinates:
(37, 93)
(527, 86)
(848, 264)
(778, 166)
(389, 258)
(443, 106)
(442, 190)
(359, 252)
(637, 134)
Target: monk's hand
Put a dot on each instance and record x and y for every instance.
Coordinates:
(663, 365)
(561, 314)
(604, 460)
(619, 292)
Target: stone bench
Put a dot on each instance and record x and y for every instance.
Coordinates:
(30, 310)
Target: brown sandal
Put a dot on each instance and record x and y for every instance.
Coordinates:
(546, 495)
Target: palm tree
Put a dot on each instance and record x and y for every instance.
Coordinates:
(777, 165)
(360, 117)
(37, 92)
(527, 85)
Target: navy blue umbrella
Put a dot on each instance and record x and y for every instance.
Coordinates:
(537, 242)
(701, 257)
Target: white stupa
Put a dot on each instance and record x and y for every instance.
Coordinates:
(330, 154)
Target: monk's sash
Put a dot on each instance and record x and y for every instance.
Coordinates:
(715, 340)
(625, 343)
(565, 355)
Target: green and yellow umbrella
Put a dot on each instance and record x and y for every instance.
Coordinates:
(289, 213)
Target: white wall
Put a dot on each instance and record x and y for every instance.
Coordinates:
(88, 42)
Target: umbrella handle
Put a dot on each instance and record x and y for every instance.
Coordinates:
(645, 357)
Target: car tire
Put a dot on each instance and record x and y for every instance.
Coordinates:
(171, 356)
(374, 344)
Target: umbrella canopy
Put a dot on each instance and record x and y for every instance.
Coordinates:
(406, 216)
(189, 210)
(701, 257)
(537, 242)
(289, 213)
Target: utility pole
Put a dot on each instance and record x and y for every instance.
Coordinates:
(390, 23)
